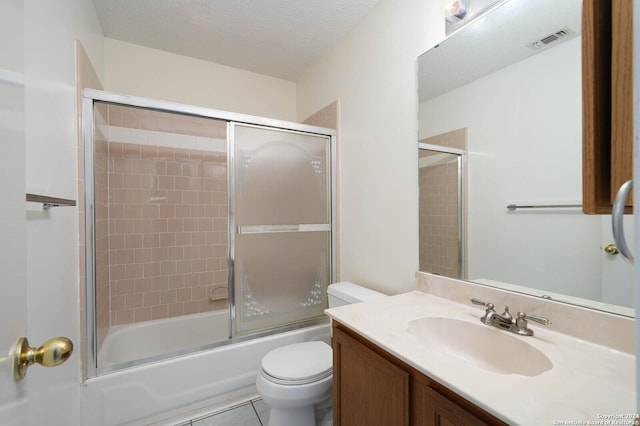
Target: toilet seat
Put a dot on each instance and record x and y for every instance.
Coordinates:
(298, 363)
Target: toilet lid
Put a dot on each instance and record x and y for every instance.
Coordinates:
(299, 363)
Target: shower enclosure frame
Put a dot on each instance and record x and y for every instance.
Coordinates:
(90, 96)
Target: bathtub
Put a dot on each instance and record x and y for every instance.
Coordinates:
(148, 339)
(143, 394)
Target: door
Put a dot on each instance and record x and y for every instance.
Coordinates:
(617, 274)
(281, 226)
(13, 296)
(608, 103)
(26, 305)
(636, 171)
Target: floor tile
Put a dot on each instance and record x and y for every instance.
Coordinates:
(263, 411)
(243, 415)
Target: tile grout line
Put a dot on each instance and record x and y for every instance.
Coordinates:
(256, 411)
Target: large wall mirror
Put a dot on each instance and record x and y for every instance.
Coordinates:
(504, 94)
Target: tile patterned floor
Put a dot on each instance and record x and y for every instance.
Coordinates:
(250, 413)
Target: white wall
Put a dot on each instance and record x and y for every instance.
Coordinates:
(13, 250)
(50, 30)
(140, 71)
(525, 146)
(372, 71)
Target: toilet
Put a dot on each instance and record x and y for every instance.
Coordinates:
(295, 380)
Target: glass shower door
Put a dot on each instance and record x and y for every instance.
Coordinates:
(280, 226)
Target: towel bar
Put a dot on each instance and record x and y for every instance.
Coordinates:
(48, 202)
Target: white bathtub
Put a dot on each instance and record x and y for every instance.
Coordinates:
(156, 391)
(126, 343)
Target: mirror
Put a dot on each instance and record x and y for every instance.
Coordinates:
(505, 91)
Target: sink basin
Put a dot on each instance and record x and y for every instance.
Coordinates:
(480, 345)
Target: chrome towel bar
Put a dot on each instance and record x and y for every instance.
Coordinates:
(48, 202)
(545, 206)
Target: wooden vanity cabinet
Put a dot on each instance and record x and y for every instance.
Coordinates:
(607, 102)
(372, 387)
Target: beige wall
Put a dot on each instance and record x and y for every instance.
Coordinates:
(372, 72)
(141, 71)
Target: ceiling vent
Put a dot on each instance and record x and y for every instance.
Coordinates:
(553, 38)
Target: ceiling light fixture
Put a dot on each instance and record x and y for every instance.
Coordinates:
(456, 10)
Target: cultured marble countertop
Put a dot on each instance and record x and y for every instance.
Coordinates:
(588, 383)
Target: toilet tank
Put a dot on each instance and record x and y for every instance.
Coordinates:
(345, 293)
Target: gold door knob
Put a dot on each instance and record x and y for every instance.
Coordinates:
(52, 352)
(611, 249)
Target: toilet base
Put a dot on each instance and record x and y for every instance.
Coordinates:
(324, 412)
(309, 404)
(318, 415)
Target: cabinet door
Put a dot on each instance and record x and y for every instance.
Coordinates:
(368, 389)
(621, 95)
(607, 88)
(440, 411)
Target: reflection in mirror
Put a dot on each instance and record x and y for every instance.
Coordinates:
(458, 13)
(512, 81)
(441, 216)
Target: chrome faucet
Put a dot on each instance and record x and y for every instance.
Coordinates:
(491, 317)
(505, 320)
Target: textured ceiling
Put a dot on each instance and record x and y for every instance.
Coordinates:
(500, 38)
(280, 38)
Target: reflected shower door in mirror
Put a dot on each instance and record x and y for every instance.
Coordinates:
(512, 79)
(441, 206)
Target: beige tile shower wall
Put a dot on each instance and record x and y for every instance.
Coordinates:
(326, 117)
(439, 219)
(167, 221)
(454, 139)
(156, 121)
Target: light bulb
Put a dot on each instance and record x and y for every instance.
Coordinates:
(455, 10)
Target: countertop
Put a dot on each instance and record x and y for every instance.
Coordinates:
(588, 383)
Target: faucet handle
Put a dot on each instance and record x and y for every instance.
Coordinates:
(520, 326)
(535, 318)
(483, 303)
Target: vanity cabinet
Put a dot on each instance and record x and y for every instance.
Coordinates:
(607, 88)
(372, 387)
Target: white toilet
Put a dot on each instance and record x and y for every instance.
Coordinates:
(296, 380)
